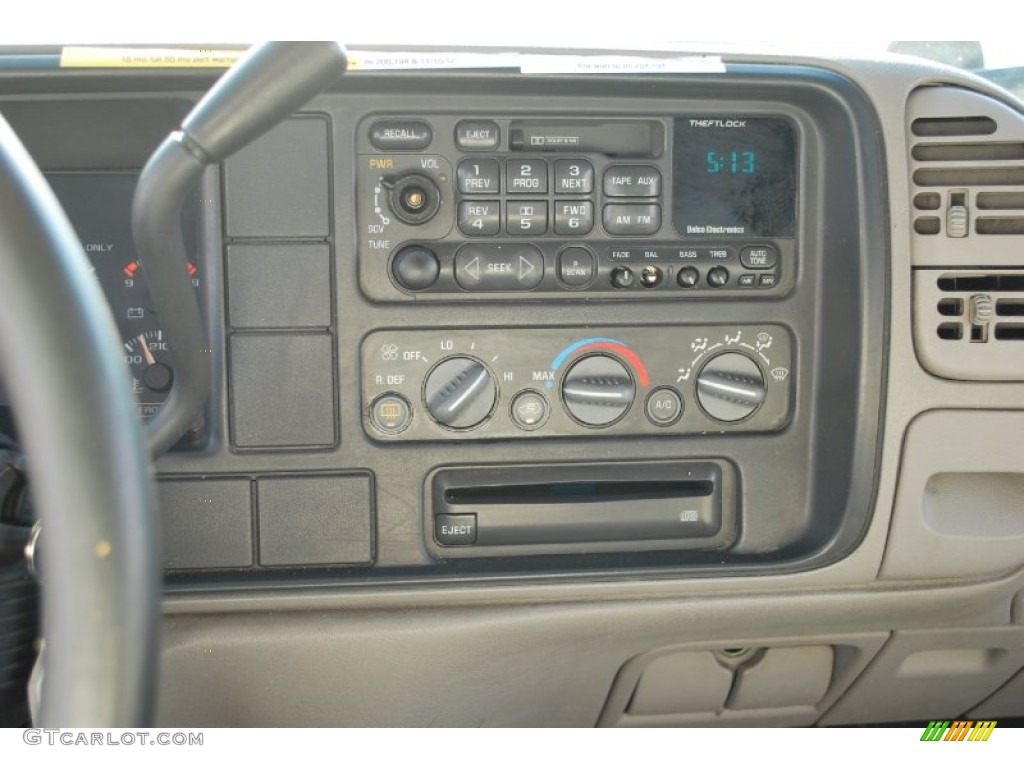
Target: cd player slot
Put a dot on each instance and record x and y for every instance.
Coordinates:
(548, 508)
(575, 493)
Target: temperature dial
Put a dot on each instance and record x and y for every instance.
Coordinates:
(152, 377)
(598, 390)
(460, 393)
(730, 387)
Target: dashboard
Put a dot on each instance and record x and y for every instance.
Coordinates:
(645, 399)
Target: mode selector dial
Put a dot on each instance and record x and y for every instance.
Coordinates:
(598, 390)
(730, 387)
(459, 392)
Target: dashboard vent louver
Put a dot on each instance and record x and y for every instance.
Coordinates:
(955, 157)
(966, 158)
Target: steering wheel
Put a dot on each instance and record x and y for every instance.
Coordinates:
(90, 472)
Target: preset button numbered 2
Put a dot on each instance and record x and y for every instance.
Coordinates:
(527, 177)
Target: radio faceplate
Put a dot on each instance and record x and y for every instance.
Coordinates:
(454, 207)
(464, 384)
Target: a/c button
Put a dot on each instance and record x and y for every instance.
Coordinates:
(455, 529)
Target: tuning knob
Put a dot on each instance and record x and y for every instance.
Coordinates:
(730, 387)
(598, 390)
(460, 393)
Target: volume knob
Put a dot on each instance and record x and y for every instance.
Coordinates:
(459, 393)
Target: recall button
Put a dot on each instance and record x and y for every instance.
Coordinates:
(453, 530)
(391, 135)
(477, 135)
(758, 257)
(499, 267)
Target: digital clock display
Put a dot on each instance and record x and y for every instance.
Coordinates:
(734, 177)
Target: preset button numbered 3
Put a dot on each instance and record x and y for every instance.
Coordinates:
(574, 177)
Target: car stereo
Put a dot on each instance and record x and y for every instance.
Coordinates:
(469, 207)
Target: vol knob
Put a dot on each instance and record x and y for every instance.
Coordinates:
(730, 387)
(460, 393)
(598, 390)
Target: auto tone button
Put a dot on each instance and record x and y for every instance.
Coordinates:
(758, 257)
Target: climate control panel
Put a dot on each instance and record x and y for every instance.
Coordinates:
(486, 383)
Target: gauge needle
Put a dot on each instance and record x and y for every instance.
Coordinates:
(145, 349)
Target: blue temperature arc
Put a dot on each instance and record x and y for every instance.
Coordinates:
(603, 343)
(561, 357)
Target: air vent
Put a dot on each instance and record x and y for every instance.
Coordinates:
(966, 162)
(953, 126)
(970, 325)
(967, 165)
(976, 315)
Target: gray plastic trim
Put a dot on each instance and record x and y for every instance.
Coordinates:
(975, 457)
(848, 657)
(931, 674)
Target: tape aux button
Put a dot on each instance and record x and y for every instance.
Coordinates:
(632, 181)
(498, 267)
